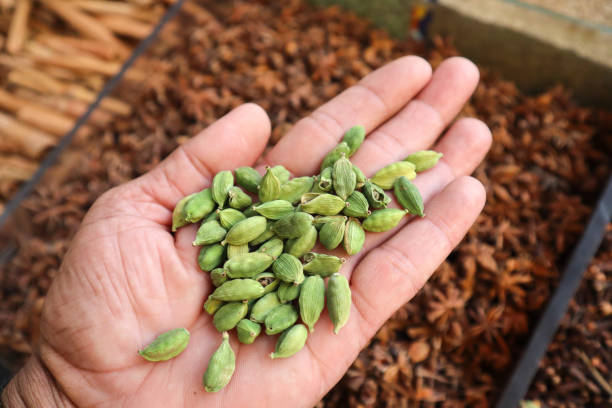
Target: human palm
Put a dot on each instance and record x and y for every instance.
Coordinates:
(127, 278)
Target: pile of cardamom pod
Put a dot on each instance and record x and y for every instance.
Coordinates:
(259, 255)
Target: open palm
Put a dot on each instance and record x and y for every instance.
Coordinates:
(126, 278)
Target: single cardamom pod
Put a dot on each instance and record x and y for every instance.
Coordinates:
(218, 277)
(268, 280)
(288, 292)
(238, 289)
(166, 346)
(293, 189)
(288, 269)
(228, 315)
(354, 237)
(230, 217)
(220, 367)
(321, 220)
(360, 178)
(386, 176)
(332, 232)
(344, 178)
(263, 306)
(281, 173)
(322, 264)
(280, 318)
(272, 247)
(408, 196)
(235, 250)
(335, 154)
(354, 137)
(356, 205)
(424, 160)
(375, 195)
(222, 182)
(383, 220)
(199, 206)
(269, 188)
(247, 331)
(212, 305)
(312, 300)
(238, 199)
(246, 230)
(247, 265)
(323, 182)
(322, 203)
(248, 178)
(292, 225)
(338, 301)
(178, 215)
(211, 256)
(290, 342)
(275, 209)
(300, 246)
(264, 236)
(210, 232)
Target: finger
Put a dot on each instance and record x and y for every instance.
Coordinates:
(235, 140)
(377, 97)
(392, 274)
(420, 123)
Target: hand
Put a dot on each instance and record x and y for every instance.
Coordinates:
(126, 278)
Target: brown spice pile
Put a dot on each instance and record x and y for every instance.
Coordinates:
(455, 343)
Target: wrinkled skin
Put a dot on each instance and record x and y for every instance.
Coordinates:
(126, 278)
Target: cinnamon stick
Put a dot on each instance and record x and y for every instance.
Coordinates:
(19, 26)
(125, 25)
(15, 168)
(67, 45)
(31, 142)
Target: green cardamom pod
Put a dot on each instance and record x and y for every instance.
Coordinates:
(218, 276)
(321, 220)
(375, 195)
(212, 305)
(354, 237)
(301, 245)
(235, 250)
(273, 247)
(335, 154)
(356, 205)
(292, 225)
(288, 292)
(275, 209)
(338, 301)
(263, 306)
(213, 216)
(166, 346)
(290, 342)
(424, 160)
(383, 220)
(250, 212)
(293, 189)
(178, 215)
(230, 217)
(386, 176)
(247, 265)
(312, 300)
(288, 269)
(247, 331)
(343, 178)
(238, 199)
(264, 236)
(199, 206)
(220, 367)
(238, 289)
(228, 315)
(354, 137)
(360, 178)
(322, 264)
(280, 318)
(323, 182)
(210, 232)
(281, 173)
(322, 203)
(408, 196)
(246, 230)
(332, 232)
(268, 280)
(222, 182)
(248, 178)
(269, 188)
(211, 256)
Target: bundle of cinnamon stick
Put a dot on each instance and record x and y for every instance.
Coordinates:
(55, 56)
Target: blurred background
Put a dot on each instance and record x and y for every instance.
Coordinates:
(545, 92)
